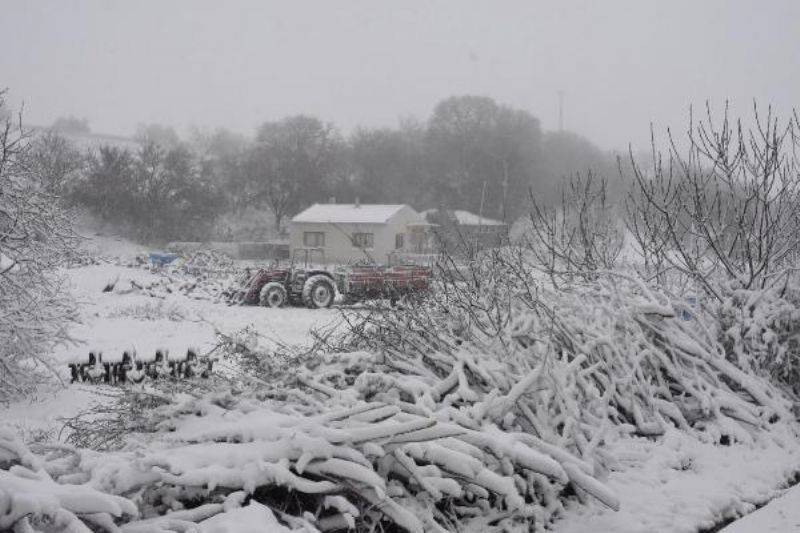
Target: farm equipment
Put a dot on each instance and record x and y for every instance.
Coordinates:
(316, 287)
(372, 282)
(307, 285)
(131, 369)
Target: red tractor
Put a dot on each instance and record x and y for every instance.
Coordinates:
(308, 285)
(316, 287)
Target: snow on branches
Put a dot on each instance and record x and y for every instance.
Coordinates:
(30, 497)
(481, 408)
(35, 236)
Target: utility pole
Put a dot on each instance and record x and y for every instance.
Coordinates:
(560, 110)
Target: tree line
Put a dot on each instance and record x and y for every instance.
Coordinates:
(472, 153)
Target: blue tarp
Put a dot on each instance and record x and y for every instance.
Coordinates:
(161, 259)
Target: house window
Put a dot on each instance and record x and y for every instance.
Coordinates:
(363, 240)
(399, 241)
(314, 239)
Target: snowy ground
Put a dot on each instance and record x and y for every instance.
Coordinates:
(680, 485)
(781, 515)
(112, 322)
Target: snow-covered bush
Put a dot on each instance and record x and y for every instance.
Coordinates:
(760, 330)
(32, 500)
(61, 488)
(580, 233)
(481, 408)
(720, 204)
(333, 462)
(612, 353)
(35, 237)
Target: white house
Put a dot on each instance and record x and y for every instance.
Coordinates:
(349, 233)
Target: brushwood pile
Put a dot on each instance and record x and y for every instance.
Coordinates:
(485, 407)
(203, 275)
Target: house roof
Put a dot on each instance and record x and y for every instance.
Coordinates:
(349, 213)
(465, 218)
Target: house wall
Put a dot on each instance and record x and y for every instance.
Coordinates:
(485, 236)
(338, 246)
(465, 238)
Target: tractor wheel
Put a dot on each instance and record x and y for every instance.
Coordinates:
(272, 294)
(318, 292)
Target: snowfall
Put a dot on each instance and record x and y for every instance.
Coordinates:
(671, 484)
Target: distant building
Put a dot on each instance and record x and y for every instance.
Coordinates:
(456, 229)
(350, 233)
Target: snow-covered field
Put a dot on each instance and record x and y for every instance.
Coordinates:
(111, 322)
(671, 484)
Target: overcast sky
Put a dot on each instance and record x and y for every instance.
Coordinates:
(621, 64)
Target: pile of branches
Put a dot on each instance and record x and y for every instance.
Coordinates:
(194, 283)
(170, 284)
(203, 275)
(483, 408)
(359, 466)
(596, 354)
(207, 263)
(34, 494)
(49, 487)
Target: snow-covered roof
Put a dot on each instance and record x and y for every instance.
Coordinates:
(349, 213)
(465, 218)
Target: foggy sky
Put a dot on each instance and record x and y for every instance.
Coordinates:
(621, 64)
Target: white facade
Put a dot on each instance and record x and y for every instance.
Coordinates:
(349, 233)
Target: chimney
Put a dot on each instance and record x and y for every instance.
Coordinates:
(358, 202)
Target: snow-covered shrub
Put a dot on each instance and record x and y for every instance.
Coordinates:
(35, 237)
(331, 462)
(119, 414)
(516, 388)
(497, 350)
(760, 330)
(58, 487)
(720, 204)
(481, 408)
(580, 233)
(32, 500)
(307, 439)
(612, 353)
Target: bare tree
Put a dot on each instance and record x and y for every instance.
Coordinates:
(34, 238)
(71, 125)
(724, 208)
(55, 160)
(579, 234)
(269, 185)
(291, 163)
(482, 155)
